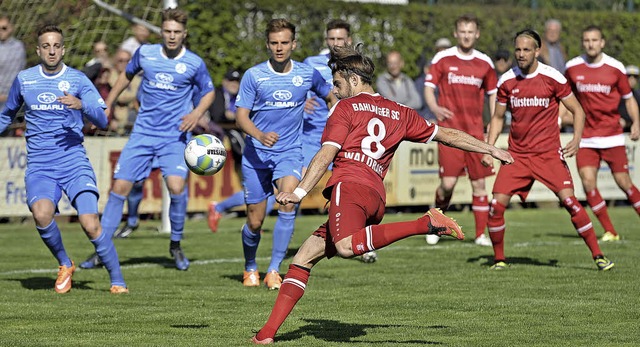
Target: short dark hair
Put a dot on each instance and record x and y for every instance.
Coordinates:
(593, 27)
(347, 60)
(467, 18)
(279, 24)
(339, 24)
(50, 28)
(176, 15)
(530, 33)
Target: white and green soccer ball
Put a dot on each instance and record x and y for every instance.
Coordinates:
(205, 154)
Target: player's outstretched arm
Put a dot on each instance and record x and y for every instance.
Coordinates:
(316, 170)
(461, 140)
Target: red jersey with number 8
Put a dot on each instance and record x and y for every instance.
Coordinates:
(367, 128)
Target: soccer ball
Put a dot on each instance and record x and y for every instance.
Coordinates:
(370, 257)
(205, 155)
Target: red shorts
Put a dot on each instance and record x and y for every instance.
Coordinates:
(353, 207)
(548, 168)
(615, 157)
(454, 162)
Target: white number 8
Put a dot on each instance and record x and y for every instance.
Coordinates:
(374, 138)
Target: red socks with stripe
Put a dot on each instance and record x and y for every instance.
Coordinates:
(377, 236)
(634, 197)
(496, 229)
(582, 223)
(480, 208)
(599, 208)
(292, 289)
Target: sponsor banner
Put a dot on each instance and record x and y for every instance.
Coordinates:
(412, 178)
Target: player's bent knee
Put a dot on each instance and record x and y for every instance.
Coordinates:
(344, 250)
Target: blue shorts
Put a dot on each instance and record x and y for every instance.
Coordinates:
(260, 170)
(142, 153)
(49, 183)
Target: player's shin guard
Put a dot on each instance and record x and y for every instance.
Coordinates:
(112, 214)
(133, 202)
(377, 236)
(290, 292)
(634, 197)
(177, 214)
(282, 232)
(250, 242)
(583, 224)
(599, 208)
(480, 208)
(109, 257)
(53, 239)
(497, 228)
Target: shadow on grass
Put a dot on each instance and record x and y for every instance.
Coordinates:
(335, 331)
(487, 260)
(189, 326)
(166, 262)
(47, 283)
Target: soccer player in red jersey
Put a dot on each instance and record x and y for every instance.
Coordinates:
(599, 81)
(362, 134)
(533, 91)
(462, 75)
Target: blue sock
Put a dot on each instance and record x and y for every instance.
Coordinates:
(52, 238)
(177, 214)
(250, 242)
(133, 202)
(282, 232)
(271, 201)
(112, 214)
(109, 257)
(234, 200)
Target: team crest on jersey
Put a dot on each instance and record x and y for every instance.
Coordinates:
(64, 86)
(181, 68)
(297, 81)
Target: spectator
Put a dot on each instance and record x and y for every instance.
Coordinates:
(600, 84)
(632, 76)
(395, 85)
(100, 60)
(502, 62)
(463, 75)
(534, 92)
(56, 158)
(12, 58)
(424, 65)
(552, 51)
(125, 109)
(140, 37)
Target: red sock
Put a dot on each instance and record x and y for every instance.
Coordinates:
(583, 224)
(377, 236)
(442, 203)
(634, 197)
(599, 208)
(496, 229)
(290, 292)
(480, 208)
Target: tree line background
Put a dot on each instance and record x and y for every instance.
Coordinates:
(230, 33)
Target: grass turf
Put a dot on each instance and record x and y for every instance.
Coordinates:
(415, 294)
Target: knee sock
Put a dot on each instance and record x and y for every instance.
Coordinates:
(442, 202)
(282, 232)
(109, 257)
(583, 224)
(634, 197)
(53, 239)
(250, 242)
(290, 292)
(112, 214)
(133, 202)
(497, 228)
(599, 208)
(377, 236)
(234, 200)
(177, 213)
(480, 208)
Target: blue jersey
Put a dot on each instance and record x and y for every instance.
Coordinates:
(167, 88)
(276, 101)
(54, 131)
(314, 123)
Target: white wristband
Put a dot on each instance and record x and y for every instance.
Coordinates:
(300, 193)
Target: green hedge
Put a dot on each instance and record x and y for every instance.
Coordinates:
(231, 33)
